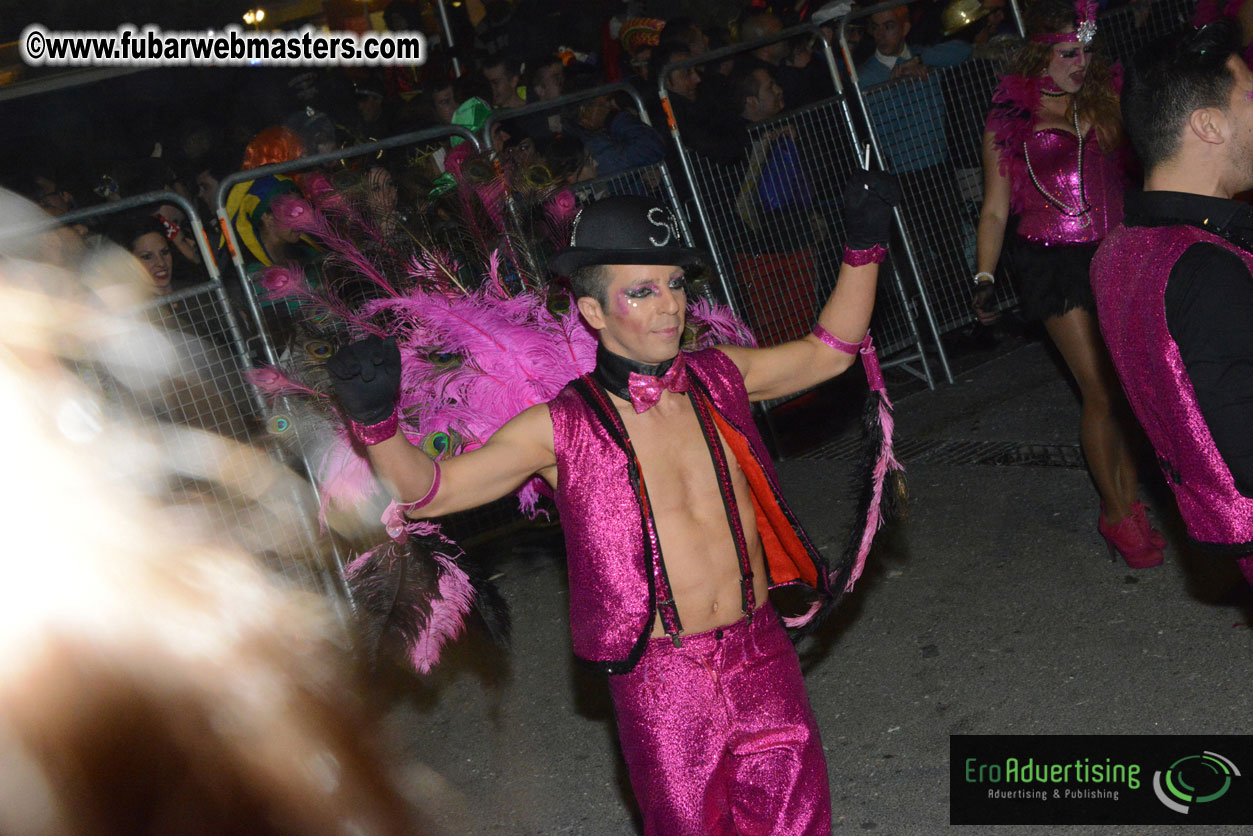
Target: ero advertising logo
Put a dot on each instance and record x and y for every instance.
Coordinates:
(1099, 779)
(1194, 779)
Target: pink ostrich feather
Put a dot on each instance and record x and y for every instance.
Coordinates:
(435, 265)
(794, 621)
(338, 310)
(292, 211)
(529, 497)
(299, 214)
(1010, 121)
(281, 282)
(496, 282)
(886, 461)
(274, 383)
(447, 618)
(724, 327)
(503, 345)
(322, 193)
(345, 479)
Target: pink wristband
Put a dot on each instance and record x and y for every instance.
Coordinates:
(869, 357)
(371, 434)
(430, 494)
(394, 520)
(870, 255)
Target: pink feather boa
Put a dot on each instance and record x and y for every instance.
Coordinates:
(1010, 122)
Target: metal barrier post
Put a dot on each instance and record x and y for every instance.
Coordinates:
(930, 132)
(1019, 24)
(855, 136)
(810, 129)
(443, 19)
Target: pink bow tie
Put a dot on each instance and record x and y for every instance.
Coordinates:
(646, 389)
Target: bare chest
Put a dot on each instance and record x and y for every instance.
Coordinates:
(675, 458)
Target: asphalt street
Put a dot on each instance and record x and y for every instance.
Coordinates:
(993, 609)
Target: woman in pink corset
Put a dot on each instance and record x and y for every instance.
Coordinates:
(1051, 160)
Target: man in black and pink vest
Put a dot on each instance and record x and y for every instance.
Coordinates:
(674, 523)
(1174, 282)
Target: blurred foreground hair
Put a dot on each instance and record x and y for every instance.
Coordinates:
(152, 681)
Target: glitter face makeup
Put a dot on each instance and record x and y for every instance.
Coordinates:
(646, 316)
(632, 297)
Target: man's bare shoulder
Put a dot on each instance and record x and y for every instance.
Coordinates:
(740, 355)
(533, 424)
(533, 417)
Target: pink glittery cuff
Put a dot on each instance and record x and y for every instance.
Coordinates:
(870, 363)
(835, 342)
(869, 357)
(371, 434)
(870, 255)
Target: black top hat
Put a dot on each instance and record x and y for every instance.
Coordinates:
(624, 230)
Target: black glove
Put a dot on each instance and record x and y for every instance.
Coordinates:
(984, 303)
(868, 201)
(366, 375)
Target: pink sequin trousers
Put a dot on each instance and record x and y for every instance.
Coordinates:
(719, 737)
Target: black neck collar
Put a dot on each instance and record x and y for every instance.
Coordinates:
(613, 371)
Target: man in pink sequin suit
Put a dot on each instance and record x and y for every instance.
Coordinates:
(715, 725)
(1174, 282)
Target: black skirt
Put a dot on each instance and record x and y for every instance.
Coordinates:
(1051, 280)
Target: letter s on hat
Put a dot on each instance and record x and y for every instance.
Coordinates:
(659, 217)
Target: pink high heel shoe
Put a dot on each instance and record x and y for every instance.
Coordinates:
(1130, 540)
(1138, 510)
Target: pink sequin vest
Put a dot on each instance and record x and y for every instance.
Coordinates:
(1054, 161)
(610, 542)
(1129, 275)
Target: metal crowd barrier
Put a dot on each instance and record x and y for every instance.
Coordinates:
(203, 388)
(929, 132)
(1123, 31)
(777, 243)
